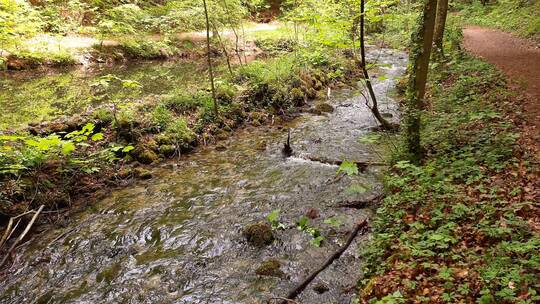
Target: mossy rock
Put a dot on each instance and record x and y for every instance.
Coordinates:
(320, 288)
(167, 150)
(222, 134)
(142, 173)
(124, 173)
(270, 268)
(297, 96)
(259, 234)
(145, 156)
(387, 115)
(324, 107)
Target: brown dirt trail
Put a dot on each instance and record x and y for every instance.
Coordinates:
(518, 58)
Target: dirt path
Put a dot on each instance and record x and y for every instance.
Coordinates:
(518, 58)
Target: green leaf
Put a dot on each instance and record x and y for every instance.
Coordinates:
(317, 241)
(273, 216)
(370, 138)
(303, 223)
(349, 168)
(68, 147)
(97, 136)
(126, 149)
(332, 221)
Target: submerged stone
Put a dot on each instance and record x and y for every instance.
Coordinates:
(324, 107)
(142, 173)
(259, 234)
(270, 268)
(320, 288)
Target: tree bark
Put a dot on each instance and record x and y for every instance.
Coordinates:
(440, 24)
(422, 41)
(209, 59)
(374, 108)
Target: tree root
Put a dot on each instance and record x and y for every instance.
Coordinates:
(362, 226)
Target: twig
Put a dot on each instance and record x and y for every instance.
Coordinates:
(298, 290)
(23, 234)
(9, 231)
(283, 300)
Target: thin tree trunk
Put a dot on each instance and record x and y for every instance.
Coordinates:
(209, 59)
(236, 37)
(224, 48)
(374, 108)
(422, 41)
(440, 24)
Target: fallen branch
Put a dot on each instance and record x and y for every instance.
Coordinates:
(22, 235)
(298, 290)
(9, 231)
(361, 204)
(283, 300)
(338, 162)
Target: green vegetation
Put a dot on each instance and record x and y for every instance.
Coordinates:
(520, 17)
(457, 225)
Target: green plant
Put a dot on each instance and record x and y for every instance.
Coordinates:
(303, 225)
(273, 218)
(348, 168)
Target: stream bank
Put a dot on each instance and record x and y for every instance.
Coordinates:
(177, 238)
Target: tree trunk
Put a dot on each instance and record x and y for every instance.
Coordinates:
(224, 48)
(209, 59)
(374, 108)
(440, 24)
(422, 41)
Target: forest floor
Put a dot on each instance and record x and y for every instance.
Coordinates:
(519, 59)
(75, 43)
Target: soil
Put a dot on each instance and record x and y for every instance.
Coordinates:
(519, 59)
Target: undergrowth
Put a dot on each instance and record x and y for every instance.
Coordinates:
(135, 131)
(464, 226)
(520, 17)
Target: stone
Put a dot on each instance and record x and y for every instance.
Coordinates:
(270, 268)
(320, 288)
(324, 107)
(259, 234)
(142, 173)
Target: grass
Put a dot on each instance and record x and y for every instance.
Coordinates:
(462, 227)
(519, 17)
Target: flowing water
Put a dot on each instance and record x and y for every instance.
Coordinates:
(177, 238)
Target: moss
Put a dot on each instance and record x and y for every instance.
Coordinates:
(297, 96)
(104, 115)
(167, 150)
(145, 155)
(142, 173)
(270, 268)
(259, 234)
(324, 107)
(222, 134)
(109, 274)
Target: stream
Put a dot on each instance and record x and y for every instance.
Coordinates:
(177, 238)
